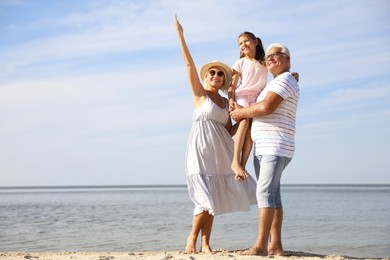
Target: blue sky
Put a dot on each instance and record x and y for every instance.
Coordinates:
(96, 92)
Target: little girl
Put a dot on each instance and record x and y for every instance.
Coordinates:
(249, 79)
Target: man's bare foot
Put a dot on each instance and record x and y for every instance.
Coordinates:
(206, 249)
(191, 245)
(254, 251)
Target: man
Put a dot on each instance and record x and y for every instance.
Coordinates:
(273, 133)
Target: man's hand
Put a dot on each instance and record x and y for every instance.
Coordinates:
(237, 114)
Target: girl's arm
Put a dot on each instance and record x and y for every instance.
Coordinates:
(232, 89)
(197, 88)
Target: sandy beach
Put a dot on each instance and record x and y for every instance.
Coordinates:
(218, 254)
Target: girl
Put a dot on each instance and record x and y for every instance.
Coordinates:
(248, 80)
(252, 73)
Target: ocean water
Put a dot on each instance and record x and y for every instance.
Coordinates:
(352, 220)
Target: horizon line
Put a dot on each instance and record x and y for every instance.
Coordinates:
(181, 186)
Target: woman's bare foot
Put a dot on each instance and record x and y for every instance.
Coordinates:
(206, 249)
(277, 251)
(191, 245)
(254, 251)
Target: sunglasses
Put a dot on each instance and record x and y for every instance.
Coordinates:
(219, 73)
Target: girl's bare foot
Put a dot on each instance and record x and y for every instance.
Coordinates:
(191, 245)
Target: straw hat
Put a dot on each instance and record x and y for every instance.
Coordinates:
(223, 66)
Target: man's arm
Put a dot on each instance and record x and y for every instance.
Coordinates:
(265, 107)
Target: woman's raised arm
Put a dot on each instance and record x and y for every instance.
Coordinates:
(197, 88)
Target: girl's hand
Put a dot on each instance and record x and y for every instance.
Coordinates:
(295, 75)
(241, 176)
(231, 105)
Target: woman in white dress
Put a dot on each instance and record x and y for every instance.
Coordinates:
(212, 185)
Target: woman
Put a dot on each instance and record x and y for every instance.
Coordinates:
(212, 185)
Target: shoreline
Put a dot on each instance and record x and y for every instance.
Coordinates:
(161, 255)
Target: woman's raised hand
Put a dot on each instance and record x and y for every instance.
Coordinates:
(179, 28)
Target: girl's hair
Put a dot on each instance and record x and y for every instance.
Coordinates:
(260, 53)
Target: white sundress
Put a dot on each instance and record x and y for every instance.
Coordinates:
(210, 179)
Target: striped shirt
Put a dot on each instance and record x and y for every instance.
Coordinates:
(274, 134)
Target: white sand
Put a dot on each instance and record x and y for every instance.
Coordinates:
(218, 254)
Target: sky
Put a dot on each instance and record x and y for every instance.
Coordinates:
(96, 92)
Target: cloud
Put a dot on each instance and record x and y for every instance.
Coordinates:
(348, 95)
(99, 89)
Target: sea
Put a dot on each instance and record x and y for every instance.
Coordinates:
(347, 220)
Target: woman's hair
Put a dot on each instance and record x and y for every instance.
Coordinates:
(260, 53)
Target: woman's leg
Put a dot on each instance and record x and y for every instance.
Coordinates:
(197, 224)
(206, 234)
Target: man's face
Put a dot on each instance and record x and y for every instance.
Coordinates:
(277, 62)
